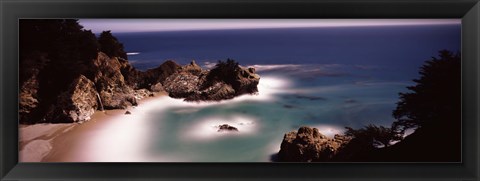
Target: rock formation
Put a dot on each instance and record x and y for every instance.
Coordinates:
(193, 84)
(30, 85)
(309, 145)
(181, 84)
(159, 74)
(77, 104)
(112, 83)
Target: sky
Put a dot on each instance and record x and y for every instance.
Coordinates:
(154, 25)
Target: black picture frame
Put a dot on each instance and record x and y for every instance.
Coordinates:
(467, 10)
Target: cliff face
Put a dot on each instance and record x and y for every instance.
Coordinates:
(76, 104)
(106, 83)
(112, 83)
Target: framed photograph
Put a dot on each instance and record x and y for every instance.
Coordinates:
(245, 90)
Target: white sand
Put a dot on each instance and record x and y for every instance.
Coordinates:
(35, 140)
(35, 151)
(55, 142)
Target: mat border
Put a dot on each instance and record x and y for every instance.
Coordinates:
(11, 11)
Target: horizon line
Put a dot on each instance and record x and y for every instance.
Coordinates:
(175, 25)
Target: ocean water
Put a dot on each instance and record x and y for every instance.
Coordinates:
(326, 78)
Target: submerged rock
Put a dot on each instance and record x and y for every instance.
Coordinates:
(308, 145)
(226, 127)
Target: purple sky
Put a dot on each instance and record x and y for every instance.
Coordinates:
(149, 25)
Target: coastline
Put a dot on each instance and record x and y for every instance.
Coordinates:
(55, 142)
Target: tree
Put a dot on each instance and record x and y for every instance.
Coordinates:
(224, 70)
(54, 52)
(432, 108)
(110, 45)
(373, 136)
(436, 97)
(69, 49)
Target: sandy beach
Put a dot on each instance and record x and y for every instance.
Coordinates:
(60, 142)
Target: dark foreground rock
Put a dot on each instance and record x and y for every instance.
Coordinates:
(309, 145)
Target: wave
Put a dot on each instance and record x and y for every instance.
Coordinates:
(306, 70)
(133, 53)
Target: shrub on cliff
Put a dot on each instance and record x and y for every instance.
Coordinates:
(373, 136)
(67, 45)
(111, 46)
(436, 98)
(224, 70)
(432, 107)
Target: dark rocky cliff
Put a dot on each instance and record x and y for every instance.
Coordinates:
(112, 83)
(103, 83)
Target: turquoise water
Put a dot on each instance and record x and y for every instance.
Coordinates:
(179, 131)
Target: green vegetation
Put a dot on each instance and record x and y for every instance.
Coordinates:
(224, 70)
(54, 52)
(66, 47)
(375, 136)
(111, 46)
(435, 99)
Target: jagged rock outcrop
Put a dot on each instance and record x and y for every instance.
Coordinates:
(181, 85)
(159, 74)
(132, 76)
(217, 92)
(151, 79)
(110, 83)
(194, 84)
(246, 81)
(309, 145)
(77, 104)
